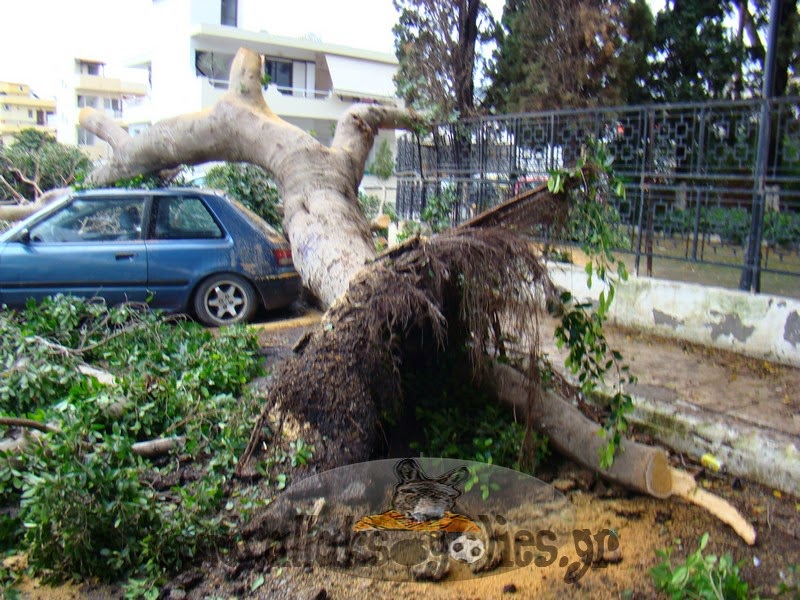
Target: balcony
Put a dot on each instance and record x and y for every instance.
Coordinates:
(302, 103)
(109, 86)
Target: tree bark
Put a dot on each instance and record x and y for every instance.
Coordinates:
(17, 212)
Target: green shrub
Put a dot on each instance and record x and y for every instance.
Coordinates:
(250, 185)
(782, 229)
(731, 224)
(438, 211)
(37, 158)
(88, 506)
(370, 205)
(700, 576)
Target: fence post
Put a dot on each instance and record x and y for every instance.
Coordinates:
(751, 273)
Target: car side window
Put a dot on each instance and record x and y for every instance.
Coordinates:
(182, 218)
(92, 220)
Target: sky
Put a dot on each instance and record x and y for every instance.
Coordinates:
(37, 36)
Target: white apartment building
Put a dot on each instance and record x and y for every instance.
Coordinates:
(192, 44)
(22, 109)
(87, 85)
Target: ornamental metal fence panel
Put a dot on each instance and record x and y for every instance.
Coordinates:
(689, 172)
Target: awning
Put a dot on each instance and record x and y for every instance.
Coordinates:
(358, 78)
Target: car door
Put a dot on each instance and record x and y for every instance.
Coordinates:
(92, 246)
(184, 244)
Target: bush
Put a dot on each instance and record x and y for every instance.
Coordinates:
(438, 211)
(700, 576)
(251, 186)
(39, 158)
(90, 506)
(731, 224)
(782, 230)
(370, 204)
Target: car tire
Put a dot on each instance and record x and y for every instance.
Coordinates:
(225, 300)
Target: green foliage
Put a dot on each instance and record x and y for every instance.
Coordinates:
(438, 44)
(782, 229)
(250, 185)
(458, 419)
(547, 59)
(383, 167)
(731, 224)
(790, 582)
(38, 158)
(706, 577)
(694, 56)
(589, 185)
(370, 205)
(409, 230)
(150, 181)
(8, 579)
(438, 211)
(89, 506)
(676, 221)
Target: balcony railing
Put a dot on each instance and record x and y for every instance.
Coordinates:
(222, 84)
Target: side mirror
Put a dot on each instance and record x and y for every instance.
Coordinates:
(24, 236)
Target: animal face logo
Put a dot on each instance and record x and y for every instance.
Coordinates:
(422, 503)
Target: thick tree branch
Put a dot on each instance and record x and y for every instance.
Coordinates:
(357, 128)
(28, 424)
(639, 467)
(17, 196)
(31, 182)
(20, 211)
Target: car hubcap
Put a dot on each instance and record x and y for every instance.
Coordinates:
(226, 301)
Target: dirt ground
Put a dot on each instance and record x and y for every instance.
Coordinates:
(642, 524)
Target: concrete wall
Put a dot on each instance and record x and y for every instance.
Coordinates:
(756, 325)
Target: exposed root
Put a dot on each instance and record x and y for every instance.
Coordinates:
(454, 288)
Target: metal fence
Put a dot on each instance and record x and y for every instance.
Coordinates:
(691, 173)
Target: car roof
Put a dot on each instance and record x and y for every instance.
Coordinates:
(174, 191)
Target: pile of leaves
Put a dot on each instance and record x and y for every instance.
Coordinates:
(75, 494)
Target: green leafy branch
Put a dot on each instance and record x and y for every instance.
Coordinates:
(588, 185)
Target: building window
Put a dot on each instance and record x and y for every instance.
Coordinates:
(214, 65)
(280, 73)
(90, 68)
(86, 138)
(40, 120)
(30, 114)
(228, 15)
(90, 101)
(113, 105)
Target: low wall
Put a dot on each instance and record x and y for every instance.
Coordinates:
(756, 325)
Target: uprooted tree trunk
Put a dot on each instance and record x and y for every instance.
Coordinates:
(387, 314)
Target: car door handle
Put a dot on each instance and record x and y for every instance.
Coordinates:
(125, 255)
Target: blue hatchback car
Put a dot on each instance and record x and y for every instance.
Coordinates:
(180, 249)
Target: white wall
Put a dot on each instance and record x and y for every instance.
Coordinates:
(757, 325)
(174, 86)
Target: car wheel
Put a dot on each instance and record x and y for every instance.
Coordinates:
(225, 300)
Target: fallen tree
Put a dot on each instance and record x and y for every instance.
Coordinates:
(387, 314)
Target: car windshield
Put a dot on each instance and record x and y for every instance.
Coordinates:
(17, 227)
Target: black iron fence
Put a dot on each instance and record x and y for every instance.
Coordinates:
(690, 172)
